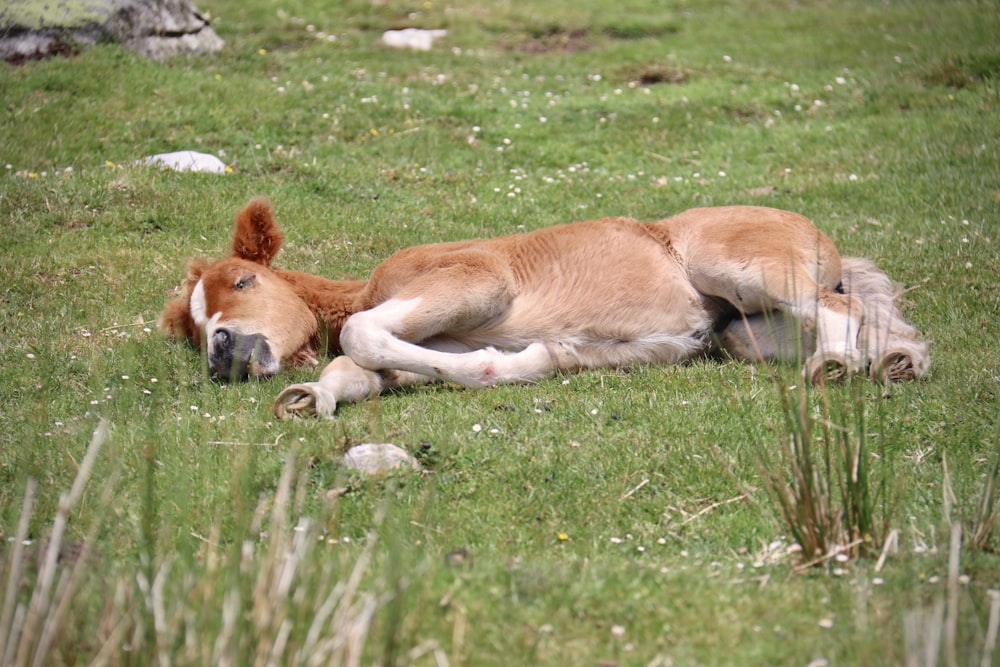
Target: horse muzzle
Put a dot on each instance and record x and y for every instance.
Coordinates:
(236, 357)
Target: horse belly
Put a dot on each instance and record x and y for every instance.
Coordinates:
(667, 323)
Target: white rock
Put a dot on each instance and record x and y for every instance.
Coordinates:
(375, 458)
(416, 39)
(186, 161)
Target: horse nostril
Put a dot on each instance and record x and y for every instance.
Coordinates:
(222, 339)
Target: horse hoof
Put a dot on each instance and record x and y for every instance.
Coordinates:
(298, 400)
(823, 368)
(893, 367)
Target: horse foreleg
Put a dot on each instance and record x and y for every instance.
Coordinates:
(342, 381)
(371, 339)
(837, 319)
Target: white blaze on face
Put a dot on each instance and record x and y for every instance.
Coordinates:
(199, 307)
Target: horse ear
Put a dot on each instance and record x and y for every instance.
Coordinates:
(175, 320)
(256, 237)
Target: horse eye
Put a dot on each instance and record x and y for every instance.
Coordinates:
(245, 282)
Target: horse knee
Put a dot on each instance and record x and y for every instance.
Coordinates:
(361, 339)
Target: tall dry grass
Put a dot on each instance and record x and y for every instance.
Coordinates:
(280, 597)
(821, 482)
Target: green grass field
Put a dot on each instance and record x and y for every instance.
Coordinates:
(608, 518)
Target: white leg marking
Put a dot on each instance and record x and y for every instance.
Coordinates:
(368, 338)
(837, 332)
(836, 344)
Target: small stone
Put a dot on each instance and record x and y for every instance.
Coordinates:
(374, 458)
(415, 39)
(186, 161)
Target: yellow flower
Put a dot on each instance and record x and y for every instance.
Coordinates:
(373, 132)
(110, 164)
(262, 52)
(229, 169)
(562, 537)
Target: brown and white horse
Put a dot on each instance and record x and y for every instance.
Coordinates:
(756, 283)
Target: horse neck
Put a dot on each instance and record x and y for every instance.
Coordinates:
(331, 301)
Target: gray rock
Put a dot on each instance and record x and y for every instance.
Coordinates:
(157, 29)
(378, 458)
(415, 39)
(185, 161)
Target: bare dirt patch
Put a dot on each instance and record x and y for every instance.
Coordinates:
(565, 40)
(656, 74)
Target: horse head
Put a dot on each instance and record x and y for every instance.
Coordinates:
(248, 317)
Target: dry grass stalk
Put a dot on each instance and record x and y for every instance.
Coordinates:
(929, 632)
(283, 581)
(824, 499)
(10, 622)
(922, 630)
(986, 509)
(237, 606)
(992, 627)
(29, 634)
(802, 502)
(951, 621)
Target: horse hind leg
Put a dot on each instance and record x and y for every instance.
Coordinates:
(793, 317)
(793, 335)
(837, 320)
(895, 347)
(768, 336)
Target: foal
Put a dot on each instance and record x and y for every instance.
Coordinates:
(755, 283)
